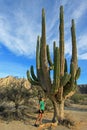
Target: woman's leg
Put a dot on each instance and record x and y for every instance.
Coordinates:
(41, 115)
(38, 118)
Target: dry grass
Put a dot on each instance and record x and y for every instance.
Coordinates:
(79, 118)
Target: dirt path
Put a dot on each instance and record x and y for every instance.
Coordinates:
(78, 115)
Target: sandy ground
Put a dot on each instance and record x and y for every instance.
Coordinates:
(78, 113)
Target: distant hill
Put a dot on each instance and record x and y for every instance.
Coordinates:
(83, 88)
(9, 80)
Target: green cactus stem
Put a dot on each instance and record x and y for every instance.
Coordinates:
(74, 48)
(65, 67)
(38, 53)
(33, 74)
(78, 72)
(56, 83)
(33, 82)
(65, 79)
(49, 57)
(61, 42)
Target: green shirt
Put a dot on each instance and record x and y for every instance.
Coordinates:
(42, 105)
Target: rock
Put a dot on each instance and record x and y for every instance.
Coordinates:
(10, 80)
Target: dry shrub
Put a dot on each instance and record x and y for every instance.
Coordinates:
(68, 121)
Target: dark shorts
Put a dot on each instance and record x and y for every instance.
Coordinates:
(41, 111)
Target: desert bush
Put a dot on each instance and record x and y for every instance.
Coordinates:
(48, 105)
(78, 98)
(68, 121)
(14, 100)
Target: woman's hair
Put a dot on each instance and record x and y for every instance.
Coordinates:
(40, 99)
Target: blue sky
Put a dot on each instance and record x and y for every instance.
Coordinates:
(20, 24)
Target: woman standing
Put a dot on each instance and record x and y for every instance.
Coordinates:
(41, 111)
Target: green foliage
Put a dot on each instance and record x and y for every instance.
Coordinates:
(77, 98)
(48, 105)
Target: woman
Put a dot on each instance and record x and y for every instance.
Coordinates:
(41, 111)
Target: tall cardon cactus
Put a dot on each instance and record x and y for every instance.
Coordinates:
(63, 84)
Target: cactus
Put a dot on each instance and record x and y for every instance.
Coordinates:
(63, 84)
(49, 57)
(56, 80)
(32, 73)
(77, 73)
(65, 67)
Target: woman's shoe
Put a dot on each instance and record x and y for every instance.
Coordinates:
(37, 125)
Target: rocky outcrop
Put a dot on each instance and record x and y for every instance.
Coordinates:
(83, 88)
(10, 80)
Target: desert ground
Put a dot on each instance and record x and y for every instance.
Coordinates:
(78, 113)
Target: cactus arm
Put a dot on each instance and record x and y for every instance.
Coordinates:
(65, 79)
(70, 86)
(32, 74)
(28, 76)
(31, 80)
(43, 56)
(61, 42)
(56, 82)
(43, 52)
(61, 47)
(38, 60)
(78, 72)
(38, 54)
(49, 57)
(72, 69)
(65, 66)
(74, 48)
(54, 48)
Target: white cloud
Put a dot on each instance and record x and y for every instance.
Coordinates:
(20, 35)
(79, 11)
(68, 47)
(20, 27)
(74, 10)
(83, 56)
(82, 46)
